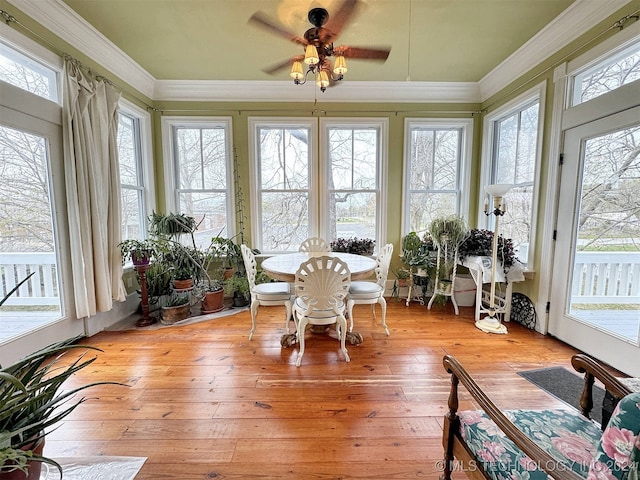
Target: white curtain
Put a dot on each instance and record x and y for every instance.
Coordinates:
(92, 177)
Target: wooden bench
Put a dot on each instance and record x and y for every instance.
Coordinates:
(539, 444)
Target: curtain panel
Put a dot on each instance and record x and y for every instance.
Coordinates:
(90, 125)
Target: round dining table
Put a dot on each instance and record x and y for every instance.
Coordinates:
(283, 267)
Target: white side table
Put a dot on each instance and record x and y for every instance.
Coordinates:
(480, 270)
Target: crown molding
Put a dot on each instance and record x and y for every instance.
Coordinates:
(579, 17)
(347, 91)
(61, 20)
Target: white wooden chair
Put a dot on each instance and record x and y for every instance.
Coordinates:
(321, 286)
(315, 244)
(367, 292)
(267, 294)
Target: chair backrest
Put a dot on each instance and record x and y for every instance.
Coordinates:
(322, 283)
(314, 244)
(383, 260)
(249, 265)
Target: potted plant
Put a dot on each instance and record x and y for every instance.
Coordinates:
(238, 287)
(171, 225)
(355, 245)
(447, 233)
(402, 276)
(32, 400)
(139, 252)
(175, 309)
(213, 296)
(228, 252)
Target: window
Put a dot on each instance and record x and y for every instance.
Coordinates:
(612, 73)
(297, 195)
(437, 158)
(201, 174)
(136, 180)
(352, 156)
(283, 201)
(27, 74)
(513, 134)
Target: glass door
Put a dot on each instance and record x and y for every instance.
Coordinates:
(33, 316)
(595, 304)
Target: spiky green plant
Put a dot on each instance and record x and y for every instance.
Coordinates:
(32, 401)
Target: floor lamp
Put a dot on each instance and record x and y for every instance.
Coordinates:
(492, 324)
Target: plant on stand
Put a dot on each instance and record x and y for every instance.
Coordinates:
(447, 233)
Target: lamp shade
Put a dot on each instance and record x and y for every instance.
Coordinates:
(311, 55)
(498, 189)
(340, 67)
(322, 79)
(296, 71)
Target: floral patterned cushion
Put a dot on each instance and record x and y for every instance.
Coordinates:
(567, 436)
(618, 454)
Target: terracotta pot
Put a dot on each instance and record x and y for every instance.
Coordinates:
(402, 282)
(34, 467)
(183, 284)
(213, 301)
(228, 272)
(172, 315)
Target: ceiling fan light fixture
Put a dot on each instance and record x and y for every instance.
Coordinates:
(340, 66)
(311, 55)
(296, 71)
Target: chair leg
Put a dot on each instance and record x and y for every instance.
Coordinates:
(254, 314)
(383, 305)
(287, 319)
(350, 305)
(341, 326)
(373, 310)
(302, 326)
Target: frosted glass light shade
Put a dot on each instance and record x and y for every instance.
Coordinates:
(498, 189)
(311, 55)
(296, 71)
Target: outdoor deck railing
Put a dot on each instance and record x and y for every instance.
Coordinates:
(606, 277)
(40, 289)
(599, 277)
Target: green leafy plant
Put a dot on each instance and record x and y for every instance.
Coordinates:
(171, 225)
(32, 401)
(237, 285)
(355, 245)
(177, 301)
(137, 250)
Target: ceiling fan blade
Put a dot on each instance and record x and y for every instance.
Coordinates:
(339, 19)
(361, 52)
(261, 20)
(282, 65)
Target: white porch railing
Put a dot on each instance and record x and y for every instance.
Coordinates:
(40, 289)
(606, 277)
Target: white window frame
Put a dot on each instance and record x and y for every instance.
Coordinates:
(538, 93)
(464, 166)
(36, 53)
(144, 160)
(382, 126)
(169, 124)
(255, 195)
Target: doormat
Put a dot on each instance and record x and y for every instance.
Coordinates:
(565, 386)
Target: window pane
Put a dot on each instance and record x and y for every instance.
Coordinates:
(507, 149)
(284, 158)
(516, 222)
(127, 151)
(132, 224)
(427, 206)
(435, 162)
(285, 220)
(214, 148)
(614, 72)
(355, 215)
(23, 72)
(189, 154)
(210, 209)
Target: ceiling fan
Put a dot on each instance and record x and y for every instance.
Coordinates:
(318, 45)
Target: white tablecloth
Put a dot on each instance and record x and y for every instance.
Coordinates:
(514, 274)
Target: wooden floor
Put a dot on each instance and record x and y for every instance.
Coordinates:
(203, 402)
